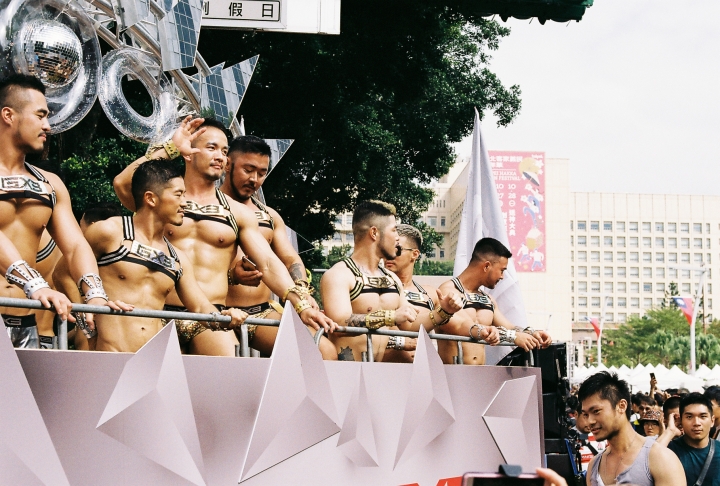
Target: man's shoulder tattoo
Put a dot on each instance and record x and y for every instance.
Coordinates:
(346, 354)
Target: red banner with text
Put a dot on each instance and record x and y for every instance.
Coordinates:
(520, 182)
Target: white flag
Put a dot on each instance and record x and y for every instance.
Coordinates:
(482, 217)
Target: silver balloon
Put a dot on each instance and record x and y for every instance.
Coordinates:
(49, 50)
(142, 66)
(56, 41)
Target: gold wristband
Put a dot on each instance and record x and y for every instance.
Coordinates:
(302, 305)
(375, 320)
(443, 314)
(389, 318)
(171, 149)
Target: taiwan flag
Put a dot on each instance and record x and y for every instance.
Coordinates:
(595, 324)
(686, 306)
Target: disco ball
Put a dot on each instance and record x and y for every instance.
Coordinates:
(50, 50)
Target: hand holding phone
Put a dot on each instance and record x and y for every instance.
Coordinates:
(248, 264)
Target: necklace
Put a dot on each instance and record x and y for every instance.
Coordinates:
(622, 458)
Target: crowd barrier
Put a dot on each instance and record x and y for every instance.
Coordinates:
(243, 349)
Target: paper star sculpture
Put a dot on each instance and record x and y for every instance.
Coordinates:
(222, 90)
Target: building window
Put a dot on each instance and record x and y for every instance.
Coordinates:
(582, 271)
(634, 271)
(697, 257)
(660, 287)
(571, 225)
(620, 226)
(685, 258)
(442, 252)
(672, 257)
(633, 226)
(608, 256)
(685, 273)
(707, 243)
(608, 286)
(685, 242)
(622, 302)
(707, 228)
(622, 317)
(595, 286)
(659, 227)
(608, 272)
(432, 253)
(572, 241)
(647, 272)
(432, 220)
(582, 240)
(634, 302)
(620, 241)
(660, 257)
(684, 227)
(672, 272)
(697, 227)
(349, 237)
(348, 219)
(647, 303)
(621, 256)
(595, 271)
(672, 227)
(594, 226)
(647, 242)
(646, 227)
(633, 241)
(594, 256)
(660, 272)
(672, 242)
(582, 301)
(582, 286)
(582, 256)
(621, 271)
(607, 241)
(338, 219)
(572, 289)
(647, 256)
(709, 288)
(595, 301)
(442, 221)
(697, 242)
(685, 288)
(708, 259)
(594, 241)
(622, 287)
(634, 287)
(660, 242)
(607, 225)
(581, 225)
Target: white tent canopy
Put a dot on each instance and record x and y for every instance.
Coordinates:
(639, 377)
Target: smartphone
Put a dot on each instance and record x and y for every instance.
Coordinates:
(495, 479)
(247, 264)
(652, 376)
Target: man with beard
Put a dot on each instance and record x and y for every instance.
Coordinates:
(213, 228)
(30, 201)
(487, 265)
(359, 292)
(248, 164)
(629, 458)
(699, 454)
(425, 299)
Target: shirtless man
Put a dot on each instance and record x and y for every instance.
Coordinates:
(211, 231)
(358, 292)
(248, 163)
(139, 263)
(489, 261)
(425, 299)
(83, 338)
(31, 200)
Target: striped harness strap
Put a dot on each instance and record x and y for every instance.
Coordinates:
(473, 300)
(366, 284)
(263, 215)
(46, 251)
(420, 297)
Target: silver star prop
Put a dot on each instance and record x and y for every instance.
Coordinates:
(278, 148)
(179, 32)
(222, 91)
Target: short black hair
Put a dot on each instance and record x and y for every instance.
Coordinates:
(101, 212)
(609, 386)
(153, 176)
(671, 403)
(16, 82)
(635, 399)
(210, 122)
(713, 393)
(367, 213)
(646, 399)
(486, 248)
(250, 144)
(695, 398)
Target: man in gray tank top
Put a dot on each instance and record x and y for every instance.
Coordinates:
(629, 458)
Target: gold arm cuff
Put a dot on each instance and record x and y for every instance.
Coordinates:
(296, 289)
(302, 305)
(376, 320)
(171, 149)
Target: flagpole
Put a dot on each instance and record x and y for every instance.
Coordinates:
(696, 306)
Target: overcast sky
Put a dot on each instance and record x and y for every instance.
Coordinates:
(630, 94)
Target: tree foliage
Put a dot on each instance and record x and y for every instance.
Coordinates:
(661, 336)
(431, 267)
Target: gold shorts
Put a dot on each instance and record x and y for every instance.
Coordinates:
(260, 311)
(186, 329)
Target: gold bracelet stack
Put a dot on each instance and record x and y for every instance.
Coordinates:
(304, 283)
(302, 305)
(299, 290)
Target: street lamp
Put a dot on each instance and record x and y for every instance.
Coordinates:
(700, 290)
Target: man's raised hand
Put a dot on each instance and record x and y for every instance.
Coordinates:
(186, 134)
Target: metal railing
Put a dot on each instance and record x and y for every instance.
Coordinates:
(243, 349)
